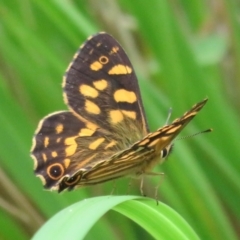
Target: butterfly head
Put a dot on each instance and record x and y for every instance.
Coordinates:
(166, 151)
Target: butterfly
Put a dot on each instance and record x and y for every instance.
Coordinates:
(104, 135)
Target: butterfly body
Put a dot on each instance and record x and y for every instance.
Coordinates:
(104, 135)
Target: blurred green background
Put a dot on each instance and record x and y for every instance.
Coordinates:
(182, 51)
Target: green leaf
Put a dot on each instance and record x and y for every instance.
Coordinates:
(76, 221)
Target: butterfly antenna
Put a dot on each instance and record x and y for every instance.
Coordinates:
(193, 135)
(169, 115)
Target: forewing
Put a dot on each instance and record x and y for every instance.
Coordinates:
(100, 85)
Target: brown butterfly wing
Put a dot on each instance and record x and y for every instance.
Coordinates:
(141, 157)
(101, 87)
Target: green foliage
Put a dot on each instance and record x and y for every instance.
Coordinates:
(159, 220)
(182, 51)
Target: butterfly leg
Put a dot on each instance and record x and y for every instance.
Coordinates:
(129, 186)
(159, 183)
(113, 187)
(141, 186)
